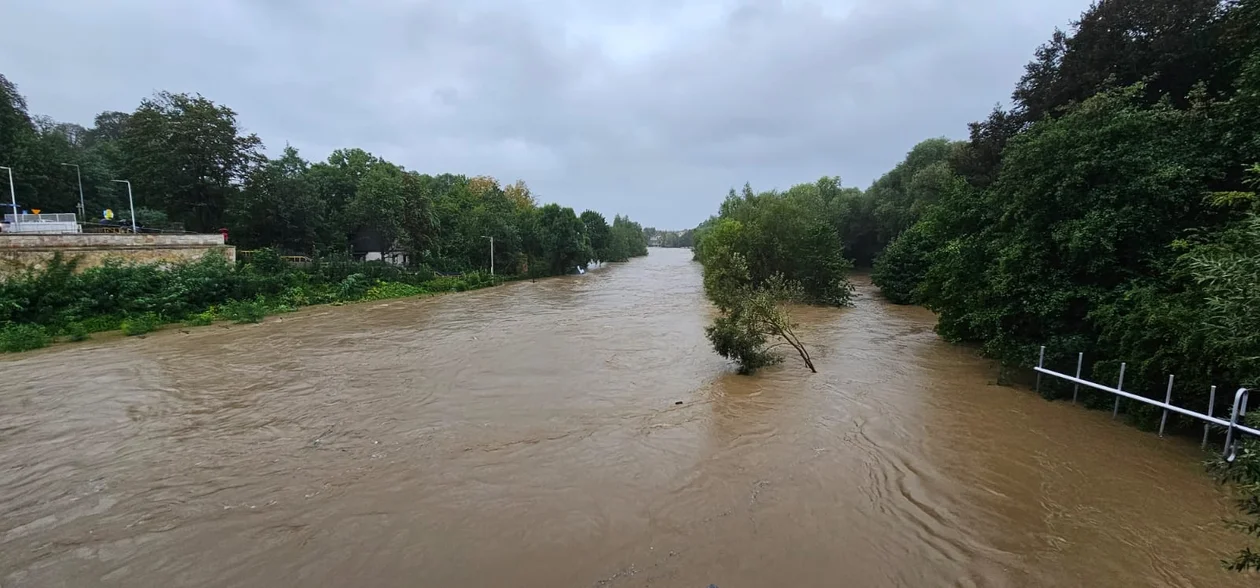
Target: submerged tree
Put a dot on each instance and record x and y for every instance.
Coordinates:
(751, 315)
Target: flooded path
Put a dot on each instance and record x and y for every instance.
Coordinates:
(528, 435)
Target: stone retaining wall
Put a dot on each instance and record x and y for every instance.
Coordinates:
(20, 251)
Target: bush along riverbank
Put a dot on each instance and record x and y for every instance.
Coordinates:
(58, 303)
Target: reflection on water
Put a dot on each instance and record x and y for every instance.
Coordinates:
(528, 435)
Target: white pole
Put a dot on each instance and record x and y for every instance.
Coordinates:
(82, 208)
(130, 202)
(13, 199)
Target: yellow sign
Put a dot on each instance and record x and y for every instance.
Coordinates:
(34, 211)
(109, 214)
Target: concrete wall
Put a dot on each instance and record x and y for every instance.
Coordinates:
(20, 251)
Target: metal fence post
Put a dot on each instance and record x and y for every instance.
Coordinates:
(1080, 357)
(1207, 426)
(1240, 408)
(1233, 427)
(1041, 361)
(1167, 400)
(1119, 386)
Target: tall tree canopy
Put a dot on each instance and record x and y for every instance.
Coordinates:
(192, 167)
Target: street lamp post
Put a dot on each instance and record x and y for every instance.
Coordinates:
(131, 203)
(79, 175)
(13, 198)
(491, 253)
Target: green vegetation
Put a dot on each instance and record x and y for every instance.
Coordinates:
(244, 312)
(77, 332)
(684, 239)
(1111, 211)
(617, 242)
(1245, 473)
(23, 338)
(200, 319)
(138, 299)
(193, 168)
(141, 324)
(764, 251)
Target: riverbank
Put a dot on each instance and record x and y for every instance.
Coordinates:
(59, 304)
(351, 290)
(251, 313)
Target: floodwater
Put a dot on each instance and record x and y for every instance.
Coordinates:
(529, 435)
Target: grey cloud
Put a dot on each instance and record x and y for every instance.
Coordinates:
(648, 108)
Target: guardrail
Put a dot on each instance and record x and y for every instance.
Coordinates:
(1232, 427)
(246, 254)
(57, 217)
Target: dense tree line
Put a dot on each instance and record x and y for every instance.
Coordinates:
(1112, 210)
(1095, 215)
(683, 239)
(192, 167)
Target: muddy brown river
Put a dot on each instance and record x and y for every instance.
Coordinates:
(528, 435)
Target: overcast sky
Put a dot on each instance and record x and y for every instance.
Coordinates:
(652, 108)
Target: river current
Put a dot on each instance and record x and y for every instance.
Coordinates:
(577, 431)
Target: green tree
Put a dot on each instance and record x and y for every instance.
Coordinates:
(377, 200)
(191, 166)
(750, 315)
(599, 233)
(789, 233)
(185, 155)
(563, 241)
(278, 207)
(626, 239)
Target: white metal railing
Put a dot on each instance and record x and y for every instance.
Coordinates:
(56, 217)
(55, 223)
(1232, 427)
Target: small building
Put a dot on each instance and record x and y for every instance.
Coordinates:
(368, 244)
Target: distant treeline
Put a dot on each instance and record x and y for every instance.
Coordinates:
(191, 167)
(674, 239)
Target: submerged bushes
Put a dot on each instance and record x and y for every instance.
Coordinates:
(762, 252)
(58, 301)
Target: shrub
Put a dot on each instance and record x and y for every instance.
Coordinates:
(77, 332)
(387, 290)
(98, 324)
(200, 319)
(141, 324)
(444, 284)
(750, 318)
(243, 312)
(23, 338)
(296, 296)
(901, 267)
(353, 287)
(98, 299)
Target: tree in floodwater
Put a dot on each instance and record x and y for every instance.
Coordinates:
(751, 315)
